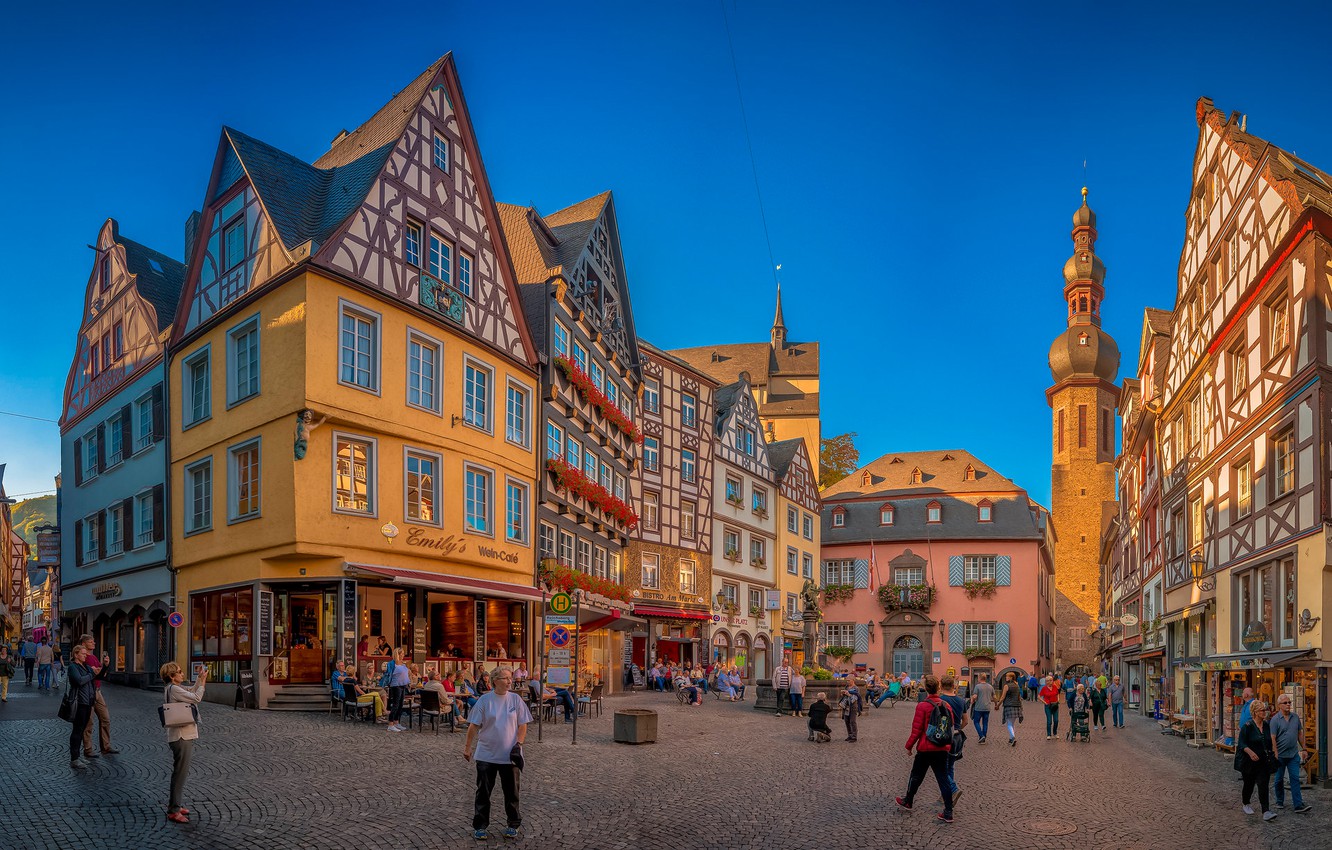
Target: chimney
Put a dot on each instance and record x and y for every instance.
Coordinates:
(716, 358)
(191, 233)
(342, 134)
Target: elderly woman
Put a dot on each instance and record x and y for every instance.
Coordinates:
(1255, 758)
(691, 691)
(734, 680)
(83, 694)
(181, 738)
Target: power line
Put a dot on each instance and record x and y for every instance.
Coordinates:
(33, 493)
(26, 416)
(744, 120)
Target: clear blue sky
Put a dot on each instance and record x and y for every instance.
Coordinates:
(919, 167)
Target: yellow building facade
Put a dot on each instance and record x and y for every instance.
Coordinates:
(799, 533)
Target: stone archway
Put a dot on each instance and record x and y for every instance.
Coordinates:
(911, 625)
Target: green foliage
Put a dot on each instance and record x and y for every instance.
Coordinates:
(983, 587)
(821, 674)
(834, 593)
(838, 458)
(843, 653)
(30, 513)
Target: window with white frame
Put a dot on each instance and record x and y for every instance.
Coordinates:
(616, 575)
(792, 562)
(619, 486)
(517, 407)
(476, 499)
(886, 515)
(580, 357)
(441, 150)
(734, 490)
(1077, 638)
(687, 511)
(651, 571)
(91, 537)
(589, 464)
(791, 603)
(1243, 488)
(807, 529)
(546, 543)
(89, 459)
(554, 440)
(978, 568)
(688, 464)
(758, 551)
(144, 518)
(839, 519)
(840, 571)
(840, 634)
(731, 593)
(651, 395)
(561, 339)
(515, 511)
(651, 459)
(688, 410)
(604, 478)
(411, 244)
(441, 258)
(731, 543)
(688, 576)
(985, 511)
(755, 598)
(978, 635)
(792, 520)
(599, 562)
(594, 372)
(143, 420)
(243, 475)
(933, 512)
(1278, 325)
(573, 454)
(115, 530)
(476, 395)
(423, 360)
(115, 440)
(806, 565)
(566, 548)
(748, 440)
(233, 244)
(465, 273)
(909, 575)
(612, 391)
(358, 348)
(1283, 463)
(423, 487)
(243, 361)
(354, 474)
(199, 496)
(195, 376)
(650, 510)
(584, 563)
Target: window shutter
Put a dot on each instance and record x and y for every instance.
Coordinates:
(823, 573)
(101, 447)
(101, 533)
(159, 513)
(78, 461)
(127, 523)
(159, 419)
(862, 637)
(1003, 570)
(955, 571)
(955, 638)
(1001, 637)
(862, 577)
(78, 542)
(126, 432)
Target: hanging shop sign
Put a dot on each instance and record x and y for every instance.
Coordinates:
(1255, 636)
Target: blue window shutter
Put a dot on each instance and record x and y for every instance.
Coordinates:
(1003, 570)
(823, 573)
(1001, 637)
(955, 571)
(862, 574)
(862, 637)
(955, 638)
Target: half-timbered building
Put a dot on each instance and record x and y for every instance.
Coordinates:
(933, 560)
(353, 440)
(576, 299)
(799, 533)
(116, 581)
(668, 565)
(13, 560)
(744, 535)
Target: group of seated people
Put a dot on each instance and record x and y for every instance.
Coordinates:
(458, 691)
(695, 680)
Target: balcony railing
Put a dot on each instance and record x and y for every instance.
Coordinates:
(145, 538)
(914, 597)
(114, 547)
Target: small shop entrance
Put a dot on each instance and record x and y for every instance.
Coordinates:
(303, 635)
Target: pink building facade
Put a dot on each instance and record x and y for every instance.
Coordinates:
(932, 561)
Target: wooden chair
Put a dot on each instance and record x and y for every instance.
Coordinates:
(428, 708)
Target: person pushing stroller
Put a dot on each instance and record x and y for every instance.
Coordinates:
(1078, 727)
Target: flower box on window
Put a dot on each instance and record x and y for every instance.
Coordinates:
(979, 652)
(561, 577)
(732, 555)
(572, 479)
(913, 597)
(757, 562)
(984, 588)
(591, 393)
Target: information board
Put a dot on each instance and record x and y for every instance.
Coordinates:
(264, 636)
(479, 642)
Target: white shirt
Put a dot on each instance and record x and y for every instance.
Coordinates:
(497, 719)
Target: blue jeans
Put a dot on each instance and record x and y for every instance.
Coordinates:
(883, 696)
(1117, 713)
(952, 783)
(982, 721)
(43, 675)
(797, 702)
(1289, 766)
(1052, 719)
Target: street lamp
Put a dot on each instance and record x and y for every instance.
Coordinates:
(942, 625)
(1198, 566)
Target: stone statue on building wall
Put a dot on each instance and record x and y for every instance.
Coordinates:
(304, 425)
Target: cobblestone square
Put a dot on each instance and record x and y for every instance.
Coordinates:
(720, 776)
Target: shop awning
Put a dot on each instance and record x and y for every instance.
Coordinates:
(597, 618)
(678, 613)
(1261, 660)
(443, 581)
(1185, 612)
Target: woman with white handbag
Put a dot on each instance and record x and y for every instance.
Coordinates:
(181, 719)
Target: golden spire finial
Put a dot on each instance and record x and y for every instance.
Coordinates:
(1084, 194)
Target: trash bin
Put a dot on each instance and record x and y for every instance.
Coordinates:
(635, 726)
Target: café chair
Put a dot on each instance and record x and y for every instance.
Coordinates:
(428, 706)
(585, 703)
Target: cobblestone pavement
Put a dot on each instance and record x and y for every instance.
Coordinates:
(721, 776)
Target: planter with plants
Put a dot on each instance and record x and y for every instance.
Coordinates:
(913, 597)
(842, 653)
(979, 652)
(757, 562)
(735, 500)
(834, 593)
(589, 392)
(983, 588)
(566, 579)
(732, 555)
(756, 613)
(569, 478)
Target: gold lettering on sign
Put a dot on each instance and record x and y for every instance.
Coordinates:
(443, 546)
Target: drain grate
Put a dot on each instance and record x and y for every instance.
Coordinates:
(1046, 826)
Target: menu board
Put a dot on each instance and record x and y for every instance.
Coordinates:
(265, 634)
(479, 642)
(348, 620)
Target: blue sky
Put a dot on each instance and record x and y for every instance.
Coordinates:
(919, 166)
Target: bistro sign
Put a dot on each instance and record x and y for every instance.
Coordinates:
(106, 590)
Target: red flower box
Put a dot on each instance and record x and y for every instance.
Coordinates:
(564, 578)
(590, 392)
(573, 480)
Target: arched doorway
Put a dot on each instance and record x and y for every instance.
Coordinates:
(909, 656)
(1077, 671)
(721, 648)
(740, 658)
(760, 657)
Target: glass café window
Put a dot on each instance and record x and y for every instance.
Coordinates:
(220, 628)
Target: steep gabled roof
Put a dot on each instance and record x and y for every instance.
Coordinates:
(725, 399)
(782, 453)
(1307, 184)
(157, 277)
(534, 248)
(385, 127)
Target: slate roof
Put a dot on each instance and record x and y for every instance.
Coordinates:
(304, 202)
(726, 362)
(782, 453)
(659, 353)
(724, 398)
(1158, 320)
(1014, 515)
(386, 126)
(536, 309)
(158, 278)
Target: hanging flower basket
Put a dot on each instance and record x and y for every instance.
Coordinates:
(835, 593)
(589, 392)
(914, 597)
(569, 478)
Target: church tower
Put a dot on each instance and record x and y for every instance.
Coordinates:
(1084, 361)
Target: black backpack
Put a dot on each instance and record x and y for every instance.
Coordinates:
(939, 731)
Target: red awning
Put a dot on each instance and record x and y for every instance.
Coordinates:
(644, 611)
(443, 581)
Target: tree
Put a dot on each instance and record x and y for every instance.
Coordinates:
(838, 458)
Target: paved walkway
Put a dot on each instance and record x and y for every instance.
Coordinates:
(746, 779)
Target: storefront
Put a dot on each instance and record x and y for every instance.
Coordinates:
(1270, 673)
(673, 634)
(127, 617)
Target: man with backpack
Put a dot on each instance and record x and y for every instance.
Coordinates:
(932, 739)
(948, 693)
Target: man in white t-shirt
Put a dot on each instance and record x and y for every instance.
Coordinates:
(497, 726)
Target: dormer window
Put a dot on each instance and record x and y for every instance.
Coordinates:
(985, 511)
(886, 515)
(1082, 339)
(933, 512)
(839, 518)
(969, 474)
(105, 274)
(866, 480)
(916, 476)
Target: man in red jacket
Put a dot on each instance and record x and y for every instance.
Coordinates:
(929, 755)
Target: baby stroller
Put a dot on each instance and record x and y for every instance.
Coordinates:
(1078, 725)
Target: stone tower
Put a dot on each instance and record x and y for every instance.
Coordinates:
(1084, 361)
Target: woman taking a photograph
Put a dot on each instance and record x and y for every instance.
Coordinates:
(83, 695)
(180, 738)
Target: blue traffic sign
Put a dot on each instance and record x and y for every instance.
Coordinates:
(176, 619)
(559, 636)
